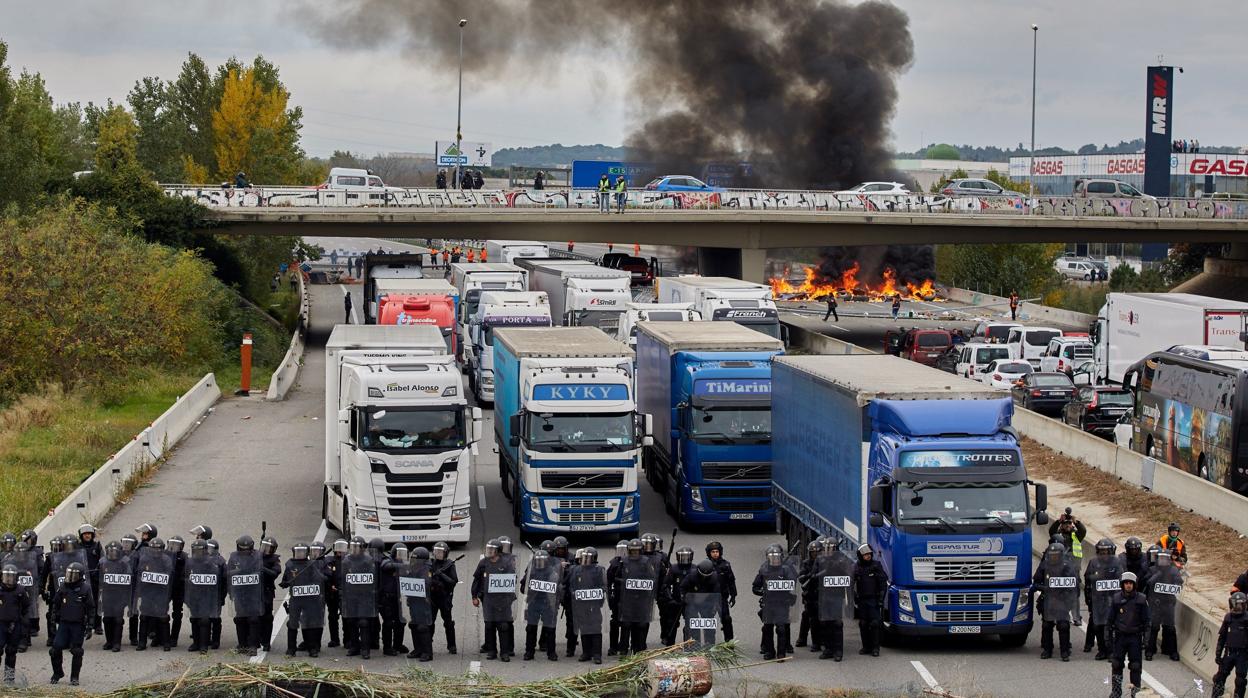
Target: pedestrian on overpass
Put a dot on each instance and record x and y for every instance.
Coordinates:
(896, 305)
(346, 304)
(571, 245)
(1014, 305)
(604, 194)
(831, 301)
(483, 257)
(440, 180)
(621, 194)
(472, 255)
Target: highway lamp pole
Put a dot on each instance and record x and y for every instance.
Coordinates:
(459, 110)
(1031, 169)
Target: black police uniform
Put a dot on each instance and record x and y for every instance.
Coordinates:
(1128, 620)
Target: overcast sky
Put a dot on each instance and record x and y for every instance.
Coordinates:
(970, 81)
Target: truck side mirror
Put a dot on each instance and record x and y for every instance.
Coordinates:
(344, 427)
(648, 424)
(1042, 518)
(876, 497)
(875, 519)
(1042, 500)
(513, 425)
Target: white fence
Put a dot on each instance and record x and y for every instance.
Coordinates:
(739, 199)
(97, 495)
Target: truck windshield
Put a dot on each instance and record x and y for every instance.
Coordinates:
(731, 424)
(955, 505)
(770, 327)
(606, 320)
(411, 429)
(582, 431)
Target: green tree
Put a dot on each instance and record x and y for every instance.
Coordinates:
(1005, 182)
(999, 268)
(160, 134)
(32, 137)
(254, 129)
(943, 151)
(192, 98)
(945, 179)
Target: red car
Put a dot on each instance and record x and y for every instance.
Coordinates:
(925, 346)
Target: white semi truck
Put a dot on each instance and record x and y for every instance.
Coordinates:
(470, 279)
(582, 294)
(722, 298)
(399, 436)
(1131, 326)
(499, 309)
(508, 251)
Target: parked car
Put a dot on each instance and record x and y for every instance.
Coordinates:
(974, 186)
(679, 183)
(1043, 392)
(974, 357)
(996, 332)
(948, 359)
(1028, 342)
(873, 188)
(1004, 373)
(925, 346)
(1097, 408)
(642, 274)
(1064, 353)
(1107, 189)
(1079, 269)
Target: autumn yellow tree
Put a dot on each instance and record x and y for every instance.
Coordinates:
(252, 130)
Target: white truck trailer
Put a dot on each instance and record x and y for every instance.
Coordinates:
(1131, 326)
(722, 298)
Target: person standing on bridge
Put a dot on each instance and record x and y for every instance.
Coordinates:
(483, 257)
(896, 305)
(440, 180)
(539, 180)
(446, 257)
(240, 181)
(830, 299)
(571, 245)
(346, 305)
(1013, 305)
(604, 195)
(472, 255)
(621, 194)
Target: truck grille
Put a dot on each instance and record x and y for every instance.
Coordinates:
(449, 466)
(965, 617)
(414, 501)
(965, 569)
(565, 511)
(415, 527)
(415, 513)
(582, 481)
(738, 499)
(741, 472)
(963, 599)
(414, 489)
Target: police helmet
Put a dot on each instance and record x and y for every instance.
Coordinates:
(1164, 558)
(112, 551)
(1128, 577)
(1105, 547)
(621, 548)
(561, 545)
(634, 549)
(316, 550)
(299, 551)
(30, 536)
(175, 544)
(1054, 553)
(400, 553)
(213, 546)
(684, 556)
(340, 547)
(199, 548)
(8, 576)
(441, 550)
(1239, 602)
(548, 546)
(587, 556)
(86, 530)
(775, 555)
(146, 531)
(268, 545)
(203, 531)
(245, 544)
(541, 559)
(1133, 546)
(706, 568)
(491, 547)
(129, 543)
(357, 546)
(864, 551)
(649, 542)
(420, 553)
(56, 545)
(74, 573)
(7, 541)
(504, 545)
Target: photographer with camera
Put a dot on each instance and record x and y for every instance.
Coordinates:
(1068, 530)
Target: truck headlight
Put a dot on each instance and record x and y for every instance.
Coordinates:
(369, 515)
(695, 494)
(535, 506)
(450, 391)
(377, 461)
(487, 380)
(904, 601)
(628, 505)
(1023, 598)
(460, 513)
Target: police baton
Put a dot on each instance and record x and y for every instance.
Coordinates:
(671, 543)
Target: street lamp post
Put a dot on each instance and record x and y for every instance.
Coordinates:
(1031, 170)
(459, 110)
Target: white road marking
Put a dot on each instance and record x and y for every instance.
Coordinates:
(481, 497)
(926, 676)
(1152, 682)
(355, 319)
(279, 613)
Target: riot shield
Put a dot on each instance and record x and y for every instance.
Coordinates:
(357, 586)
(1165, 584)
(116, 587)
(543, 588)
(1061, 593)
(415, 587)
(587, 585)
(834, 574)
(1102, 577)
(242, 573)
(776, 605)
(305, 588)
(203, 587)
(702, 618)
(154, 576)
(638, 579)
(500, 590)
(27, 576)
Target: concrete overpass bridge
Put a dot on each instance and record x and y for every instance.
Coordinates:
(732, 230)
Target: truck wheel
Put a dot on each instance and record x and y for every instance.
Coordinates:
(503, 481)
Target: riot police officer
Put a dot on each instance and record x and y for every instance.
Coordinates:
(93, 551)
(670, 603)
(14, 610)
(727, 585)
(587, 591)
(776, 586)
(153, 591)
(809, 579)
(1162, 587)
(73, 610)
(204, 585)
(1100, 583)
(1128, 621)
(634, 591)
(415, 578)
(116, 593)
(243, 572)
(494, 591)
(304, 581)
(443, 579)
(870, 586)
(1057, 578)
(1232, 650)
(357, 583)
(613, 569)
(389, 603)
(174, 548)
(270, 570)
(330, 568)
(543, 589)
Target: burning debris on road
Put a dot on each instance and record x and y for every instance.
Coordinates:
(817, 287)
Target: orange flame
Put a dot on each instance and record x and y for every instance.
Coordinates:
(814, 287)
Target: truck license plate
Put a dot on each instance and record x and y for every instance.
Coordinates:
(964, 629)
(582, 527)
(741, 517)
(415, 538)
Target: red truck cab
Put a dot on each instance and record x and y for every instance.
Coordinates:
(436, 310)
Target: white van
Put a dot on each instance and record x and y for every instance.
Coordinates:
(975, 356)
(1064, 353)
(353, 179)
(1028, 343)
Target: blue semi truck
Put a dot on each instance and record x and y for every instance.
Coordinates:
(925, 467)
(568, 431)
(707, 386)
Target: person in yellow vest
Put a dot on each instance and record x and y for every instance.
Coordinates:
(604, 194)
(1070, 532)
(621, 194)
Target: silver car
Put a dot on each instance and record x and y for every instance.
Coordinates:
(976, 187)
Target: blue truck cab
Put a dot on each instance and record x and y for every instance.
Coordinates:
(924, 467)
(568, 431)
(707, 386)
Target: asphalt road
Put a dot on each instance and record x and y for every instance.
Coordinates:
(254, 461)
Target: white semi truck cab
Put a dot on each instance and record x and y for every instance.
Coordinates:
(582, 294)
(661, 312)
(500, 309)
(471, 279)
(399, 436)
(722, 298)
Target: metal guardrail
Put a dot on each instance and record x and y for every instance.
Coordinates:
(585, 200)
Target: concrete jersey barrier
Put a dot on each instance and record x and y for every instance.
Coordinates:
(1026, 311)
(287, 372)
(97, 495)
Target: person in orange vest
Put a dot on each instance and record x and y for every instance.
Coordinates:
(483, 257)
(1176, 546)
(433, 257)
(472, 255)
(571, 245)
(446, 256)
(1013, 305)
(636, 250)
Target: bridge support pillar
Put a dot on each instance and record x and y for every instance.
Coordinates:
(747, 264)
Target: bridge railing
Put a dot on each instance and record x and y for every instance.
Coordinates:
(733, 199)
